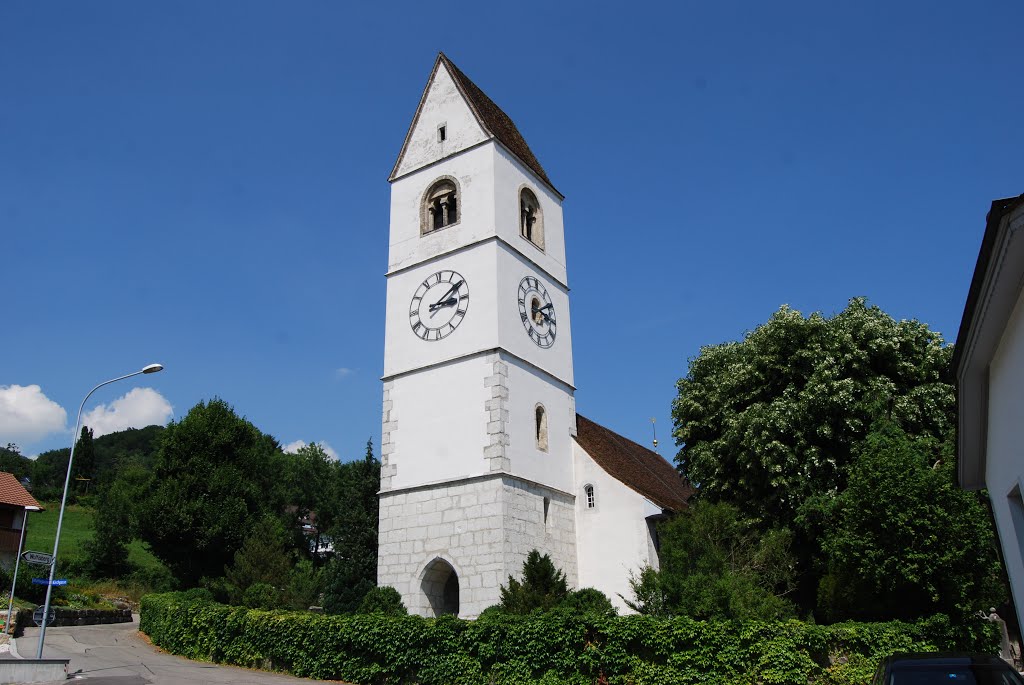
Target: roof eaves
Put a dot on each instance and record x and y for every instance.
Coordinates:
(1000, 208)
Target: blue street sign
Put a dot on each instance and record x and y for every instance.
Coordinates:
(46, 581)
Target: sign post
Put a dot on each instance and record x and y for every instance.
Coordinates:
(37, 558)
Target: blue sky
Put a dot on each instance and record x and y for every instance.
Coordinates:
(204, 185)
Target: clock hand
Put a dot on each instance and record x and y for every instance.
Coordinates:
(447, 303)
(444, 297)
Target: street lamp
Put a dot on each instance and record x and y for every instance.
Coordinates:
(151, 368)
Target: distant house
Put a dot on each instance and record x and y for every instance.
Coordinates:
(989, 367)
(15, 505)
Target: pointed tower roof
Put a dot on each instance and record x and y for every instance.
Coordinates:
(495, 123)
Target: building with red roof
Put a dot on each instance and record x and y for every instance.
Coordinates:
(15, 504)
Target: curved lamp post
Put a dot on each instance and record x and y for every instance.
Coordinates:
(152, 368)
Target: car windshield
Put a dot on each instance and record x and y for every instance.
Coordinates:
(977, 674)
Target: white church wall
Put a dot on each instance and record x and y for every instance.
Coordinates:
(612, 538)
(474, 172)
(557, 359)
(510, 175)
(442, 105)
(437, 427)
(1004, 468)
(529, 387)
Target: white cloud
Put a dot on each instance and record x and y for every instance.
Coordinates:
(26, 414)
(139, 408)
(293, 447)
(343, 372)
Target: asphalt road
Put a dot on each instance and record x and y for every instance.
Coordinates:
(117, 654)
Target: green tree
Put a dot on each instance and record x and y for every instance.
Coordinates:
(48, 472)
(715, 565)
(115, 523)
(543, 586)
(313, 485)
(353, 570)
(85, 456)
(903, 540)
(769, 422)
(215, 478)
(13, 462)
(261, 560)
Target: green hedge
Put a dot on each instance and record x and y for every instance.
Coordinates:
(556, 647)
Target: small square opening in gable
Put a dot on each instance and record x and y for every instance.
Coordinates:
(442, 133)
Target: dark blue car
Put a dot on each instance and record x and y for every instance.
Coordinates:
(949, 668)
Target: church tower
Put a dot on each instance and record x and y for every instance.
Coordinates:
(479, 414)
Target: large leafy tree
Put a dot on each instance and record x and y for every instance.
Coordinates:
(215, 476)
(769, 422)
(903, 540)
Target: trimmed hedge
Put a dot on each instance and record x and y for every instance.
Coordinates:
(552, 648)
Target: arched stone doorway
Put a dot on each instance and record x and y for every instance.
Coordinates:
(440, 586)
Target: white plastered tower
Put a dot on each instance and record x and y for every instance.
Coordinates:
(477, 462)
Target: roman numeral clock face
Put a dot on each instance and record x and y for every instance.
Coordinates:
(537, 312)
(439, 305)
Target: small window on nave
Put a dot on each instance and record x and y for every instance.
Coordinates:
(591, 500)
(440, 205)
(531, 223)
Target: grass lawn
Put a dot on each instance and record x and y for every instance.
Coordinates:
(77, 528)
(42, 529)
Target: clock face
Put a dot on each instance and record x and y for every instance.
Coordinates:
(439, 305)
(537, 312)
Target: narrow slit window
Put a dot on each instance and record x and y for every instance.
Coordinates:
(442, 133)
(541, 427)
(547, 507)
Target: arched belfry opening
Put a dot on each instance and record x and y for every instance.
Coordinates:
(440, 586)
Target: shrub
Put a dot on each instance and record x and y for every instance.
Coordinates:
(382, 600)
(554, 647)
(261, 596)
(589, 600)
(543, 586)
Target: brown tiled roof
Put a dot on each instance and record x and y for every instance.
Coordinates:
(13, 493)
(494, 120)
(634, 465)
